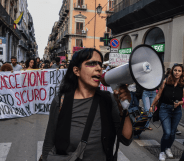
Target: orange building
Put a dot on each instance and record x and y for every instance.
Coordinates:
(76, 27)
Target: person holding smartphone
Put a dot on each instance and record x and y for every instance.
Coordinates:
(170, 94)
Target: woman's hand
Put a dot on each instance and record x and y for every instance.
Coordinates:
(122, 94)
(151, 109)
(176, 104)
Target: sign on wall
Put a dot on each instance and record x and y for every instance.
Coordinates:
(2, 40)
(114, 43)
(125, 51)
(116, 59)
(159, 47)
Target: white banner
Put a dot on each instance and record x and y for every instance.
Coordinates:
(24, 93)
(116, 59)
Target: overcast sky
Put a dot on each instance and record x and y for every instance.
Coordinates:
(44, 13)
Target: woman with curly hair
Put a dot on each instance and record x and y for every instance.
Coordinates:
(31, 63)
(6, 67)
(170, 95)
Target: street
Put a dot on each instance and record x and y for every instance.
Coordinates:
(21, 139)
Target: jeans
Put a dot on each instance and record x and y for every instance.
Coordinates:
(147, 98)
(134, 101)
(170, 119)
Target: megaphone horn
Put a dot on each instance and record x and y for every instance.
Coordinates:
(145, 68)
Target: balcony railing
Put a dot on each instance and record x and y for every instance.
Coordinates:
(22, 45)
(80, 7)
(122, 5)
(26, 36)
(81, 32)
(66, 7)
(8, 20)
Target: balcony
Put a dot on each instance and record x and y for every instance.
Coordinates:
(109, 10)
(66, 7)
(22, 45)
(24, 34)
(81, 33)
(132, 14)
(8, 21)
(80, 7)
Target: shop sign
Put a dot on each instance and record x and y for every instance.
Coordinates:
(2, 40)
(125, 51)
(116, 59)
(159, 47)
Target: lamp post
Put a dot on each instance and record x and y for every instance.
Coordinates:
(99, 10)
(95, 24)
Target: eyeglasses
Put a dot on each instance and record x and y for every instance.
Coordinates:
(94, 63)
(176, 64)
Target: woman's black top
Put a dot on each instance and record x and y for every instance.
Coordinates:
(170, 94)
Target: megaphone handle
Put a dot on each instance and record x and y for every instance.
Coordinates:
(125, 104)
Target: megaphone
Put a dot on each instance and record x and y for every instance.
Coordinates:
(145, 68)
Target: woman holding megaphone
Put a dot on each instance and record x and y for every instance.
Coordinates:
(70, 134)
(170, 96)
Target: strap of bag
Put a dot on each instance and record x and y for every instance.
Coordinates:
(117, 141)
(90, 118)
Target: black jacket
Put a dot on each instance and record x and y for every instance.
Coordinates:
(108, 133)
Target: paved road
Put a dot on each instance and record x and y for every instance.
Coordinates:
(21, 140)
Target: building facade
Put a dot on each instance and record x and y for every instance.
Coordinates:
(78, 28)
(9, 37)
(14, 41)
(155, 23)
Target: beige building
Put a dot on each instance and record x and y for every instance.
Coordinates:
(78, 28)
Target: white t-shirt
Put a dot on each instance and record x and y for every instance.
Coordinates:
(17, 67)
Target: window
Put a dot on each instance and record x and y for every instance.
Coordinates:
(111, 4)
(79, 43)
(5, 5)
(108, 30)
(79, 27)
(80, 3)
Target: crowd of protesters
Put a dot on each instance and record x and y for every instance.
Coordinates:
(32, 63)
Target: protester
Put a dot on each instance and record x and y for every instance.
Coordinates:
(62, 67)
(37, 62)
(23, 66)
(46, 66)
(16, 67)
(31, 64)
(57, 65)
(134, 101)
(79, 87)
(170, 113)
(6, 67)
(42, 65)
(147, 98)
(168, 72)
(51, 63)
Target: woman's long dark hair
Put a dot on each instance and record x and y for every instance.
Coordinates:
(171, 78)
(70, 80)
(27, 63)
